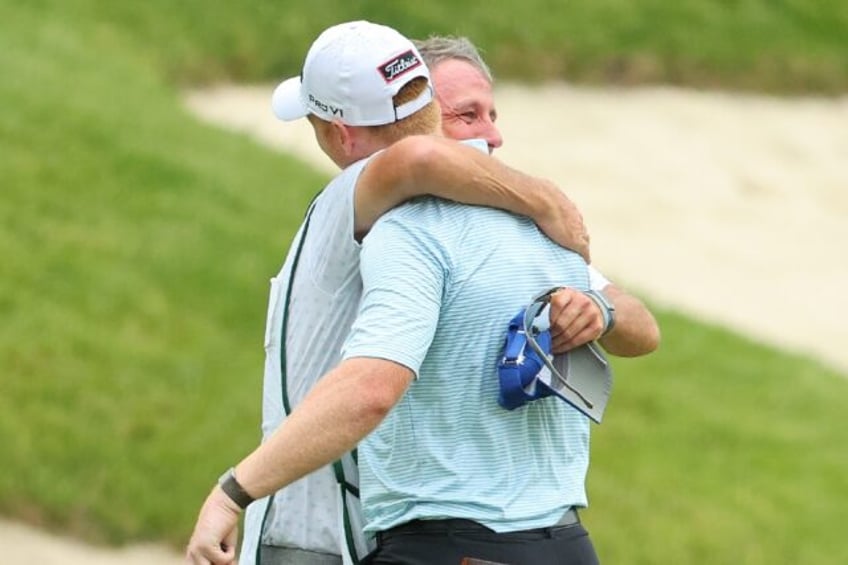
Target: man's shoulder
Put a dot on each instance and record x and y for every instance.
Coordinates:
(338, 193)
(440, 221)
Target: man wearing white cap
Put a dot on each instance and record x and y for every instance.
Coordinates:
(368, 65)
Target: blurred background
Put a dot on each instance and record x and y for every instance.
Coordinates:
(137, 242)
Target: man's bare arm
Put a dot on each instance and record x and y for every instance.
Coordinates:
(341, 409)
(419, 165)
(636, 331)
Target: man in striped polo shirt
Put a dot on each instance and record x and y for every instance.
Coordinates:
(448, 473)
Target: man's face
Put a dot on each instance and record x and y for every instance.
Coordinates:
(468, 106)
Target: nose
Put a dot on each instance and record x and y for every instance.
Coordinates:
(492, 136)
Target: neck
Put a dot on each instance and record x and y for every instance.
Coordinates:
(362, 144)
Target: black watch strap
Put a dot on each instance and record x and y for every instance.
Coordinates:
(233, 489)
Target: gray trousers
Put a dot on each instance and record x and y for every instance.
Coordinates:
(272, 555)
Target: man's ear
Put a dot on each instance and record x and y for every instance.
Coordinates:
(345, 137)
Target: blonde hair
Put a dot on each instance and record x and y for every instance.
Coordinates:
(427, 120)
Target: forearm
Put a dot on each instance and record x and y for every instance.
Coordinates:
(636, 331)
(466, 175)
(461, 173)
(342, 408)
(428, 165)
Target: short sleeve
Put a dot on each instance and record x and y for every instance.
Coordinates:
(403, 271)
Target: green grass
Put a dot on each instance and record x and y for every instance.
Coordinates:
(763, 45)
(136, 246)
(720, 450)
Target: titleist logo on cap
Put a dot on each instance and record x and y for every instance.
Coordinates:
(399, 65)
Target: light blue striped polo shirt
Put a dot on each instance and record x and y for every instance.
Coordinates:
(441, 281)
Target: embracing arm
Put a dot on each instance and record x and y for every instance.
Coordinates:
(636, 331)
(423, 164)
(342, 408)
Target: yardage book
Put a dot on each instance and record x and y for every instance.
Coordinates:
(582, 377)
(584, 380)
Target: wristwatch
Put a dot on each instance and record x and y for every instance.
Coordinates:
(607, 309)
(233, 489)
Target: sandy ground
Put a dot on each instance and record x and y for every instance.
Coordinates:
(23, 545)
(731, 208)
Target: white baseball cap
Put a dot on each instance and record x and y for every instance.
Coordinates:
(351, 73)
